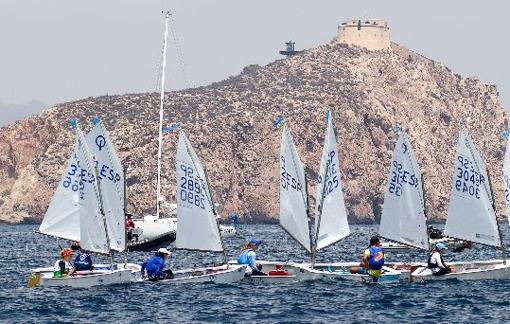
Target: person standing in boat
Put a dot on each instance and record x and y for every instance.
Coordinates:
(435, 262)
(373, 259)
(63, 266)
(83, 260)
(249, 257)
(130, 226)
(155, 266)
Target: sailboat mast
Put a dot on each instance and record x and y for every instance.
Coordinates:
(319, 216)
(161, 104)
(126, 251)
(425, 210)
(215, 217)
(101, 208)
(503, 251)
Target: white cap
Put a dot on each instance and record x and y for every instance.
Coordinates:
(164, 251)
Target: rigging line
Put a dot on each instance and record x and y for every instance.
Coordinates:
(178, 49)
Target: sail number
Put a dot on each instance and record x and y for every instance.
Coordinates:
(287, 180)
(332, 178)
(76, 178)
(191, 187)
(400, 177)
(467, 179)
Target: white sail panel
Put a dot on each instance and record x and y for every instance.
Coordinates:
(470, 213)
(403, 216)
(293, 197)
(197, 227)
(93, 235)
(506, 178)
(111, 177)
(62, 219)
(333, 215)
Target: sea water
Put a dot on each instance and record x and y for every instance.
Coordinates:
(317, 301)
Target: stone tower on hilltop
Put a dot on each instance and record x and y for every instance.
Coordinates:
(372, 34)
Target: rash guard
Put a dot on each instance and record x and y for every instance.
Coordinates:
(248, 257)
(154, 267)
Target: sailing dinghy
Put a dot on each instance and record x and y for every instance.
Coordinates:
(471, 216)
(331, 223)
(197, 226)
(77, 213)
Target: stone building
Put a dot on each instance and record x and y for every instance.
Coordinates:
(372, 34)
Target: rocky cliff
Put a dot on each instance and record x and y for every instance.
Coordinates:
(230, 126)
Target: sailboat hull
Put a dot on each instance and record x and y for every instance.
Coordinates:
(476, 270)
(219, 275)
(100, 276)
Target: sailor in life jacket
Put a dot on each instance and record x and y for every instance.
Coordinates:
(373, 258)
(249, 257)
(83, 260)
(435, 262)
(63, 266)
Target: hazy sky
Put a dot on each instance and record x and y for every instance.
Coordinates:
(59, 50)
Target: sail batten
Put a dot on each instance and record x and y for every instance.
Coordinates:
(334, 225)
(471, 215)
(293, 198)
(197, 227)
(403, 217)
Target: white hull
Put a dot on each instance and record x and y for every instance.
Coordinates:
(390, 246)
(83, 279)
(476, 270)
(227, 231)
(302, 272)
(220, 275)
(341, 270)
(151, 227)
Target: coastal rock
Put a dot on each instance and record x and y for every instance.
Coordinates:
(230, 124)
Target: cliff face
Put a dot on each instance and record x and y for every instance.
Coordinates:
(230, 126)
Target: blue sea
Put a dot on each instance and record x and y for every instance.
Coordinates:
(309, 302)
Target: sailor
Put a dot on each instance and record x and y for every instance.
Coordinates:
(435, 262)
(249, 257)
(83, 260)
(434, 233)
(155, 265)
(130, 226)
(373, 259)
(63, 266)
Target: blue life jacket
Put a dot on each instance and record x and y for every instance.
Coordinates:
(243, 258)
(83, 262)
(376, 258)
(154, 266)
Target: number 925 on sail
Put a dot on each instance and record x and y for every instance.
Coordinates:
(191, 191)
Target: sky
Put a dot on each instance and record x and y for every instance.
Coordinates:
(60, 50)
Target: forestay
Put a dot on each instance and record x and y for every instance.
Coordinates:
(197, 227)
(93, 235)
(111, 178)
(506, 178)
(470, 214)
(333, 215)
(62, 219)
(403, 216)
(293, 197)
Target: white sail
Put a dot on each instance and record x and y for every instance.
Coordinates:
(111, 177)
(293, 197)
(403, 216)
(470, 214)
(62, 219)
(93, 235)
(506, 178)
(197, 227)
(333, 215)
